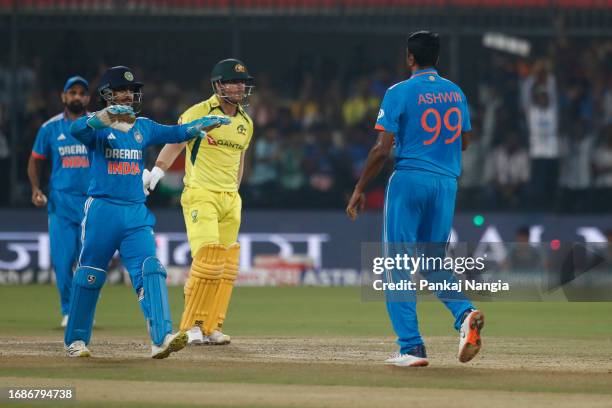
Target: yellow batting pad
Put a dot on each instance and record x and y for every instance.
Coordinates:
(206, 271)
(224, 292)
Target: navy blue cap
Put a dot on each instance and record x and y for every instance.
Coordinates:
(119, 76)
(76, 80)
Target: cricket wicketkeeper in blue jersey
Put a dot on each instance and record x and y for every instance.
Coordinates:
(426, 120)
(116, 217)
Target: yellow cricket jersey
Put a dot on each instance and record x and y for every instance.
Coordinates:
(213, 163)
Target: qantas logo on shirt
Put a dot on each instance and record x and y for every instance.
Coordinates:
(223, 142)
(210, 140)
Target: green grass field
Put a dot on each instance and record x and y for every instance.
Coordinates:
(312, 347)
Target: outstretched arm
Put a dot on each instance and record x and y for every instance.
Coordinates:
(82, 132)
(176, 138)
(161, 134)
(376, 159)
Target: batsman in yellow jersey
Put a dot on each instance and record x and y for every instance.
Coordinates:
(210, 200)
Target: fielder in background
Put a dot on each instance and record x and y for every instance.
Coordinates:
(426, 118)
(67, 186)
(116, 217)
(211, 203)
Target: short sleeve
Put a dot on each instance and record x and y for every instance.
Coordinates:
(390, 111)
(466, 126)
(40, 150)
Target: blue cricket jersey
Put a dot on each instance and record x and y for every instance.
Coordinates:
(69, 157)
(117, 157)
(427, 114)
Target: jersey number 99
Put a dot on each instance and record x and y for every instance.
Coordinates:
(438, 121)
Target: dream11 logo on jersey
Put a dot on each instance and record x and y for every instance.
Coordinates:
(128, 166)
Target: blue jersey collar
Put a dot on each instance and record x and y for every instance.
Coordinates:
(424, 71)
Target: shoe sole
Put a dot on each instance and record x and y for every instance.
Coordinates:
(210, 343)
(175, 345)
(474, 342)
(80, 355)
(418, 363)
(199, 343)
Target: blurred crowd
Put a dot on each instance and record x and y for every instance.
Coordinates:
(541, 140)
(544, 137)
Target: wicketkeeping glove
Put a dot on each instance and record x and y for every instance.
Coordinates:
(199, 127)
(112, 116)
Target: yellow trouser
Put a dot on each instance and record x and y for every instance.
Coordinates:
(212, 220)
(211, 217)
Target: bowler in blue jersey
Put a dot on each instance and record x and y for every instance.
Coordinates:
(425, 122)
(69, 161)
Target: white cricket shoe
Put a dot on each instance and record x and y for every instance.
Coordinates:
(78, 349)
(172, 343)
(216, 338)
(195, 336)
(416, 357)
(64, 322)
(469, 336)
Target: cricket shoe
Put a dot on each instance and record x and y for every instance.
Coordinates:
(195, 336)
(216, 338)
(64, 322)
(78, 349)
(172, 343)
(417, 357)
(469, 335)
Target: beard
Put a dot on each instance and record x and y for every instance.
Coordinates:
(76, 107)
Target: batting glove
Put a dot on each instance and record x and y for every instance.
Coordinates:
(151, 178)
(106, 117)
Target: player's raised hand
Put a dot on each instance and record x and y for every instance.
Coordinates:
(356, 205)
(111, 116)
(199, 127)
(39, 199)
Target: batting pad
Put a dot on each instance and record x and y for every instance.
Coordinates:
(224, 291)
(156, 299)
(200, 289)
(86, 286)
